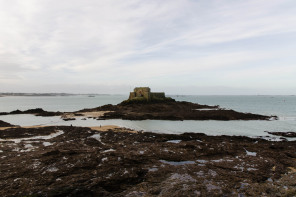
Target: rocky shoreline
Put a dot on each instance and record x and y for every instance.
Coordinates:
(37, 112)
(172, 110)
(5, 124)
(165, 110)
(80, 161)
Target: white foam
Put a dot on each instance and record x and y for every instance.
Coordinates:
(152, 169)
(47, 143)
(254, 154)
(174, 141)
(97, 137)
(207, 109)
(28, 146)
(109, 150)
(177, 163)
(52, 169)
(251, 169)
(44, 137)
(202, 161)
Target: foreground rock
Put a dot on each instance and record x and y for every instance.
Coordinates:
(284, 134)
(172, 110)
(73, 161)
(5, 124)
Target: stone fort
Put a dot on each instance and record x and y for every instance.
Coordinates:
(144, 93)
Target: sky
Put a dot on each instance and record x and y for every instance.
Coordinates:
(211, 47)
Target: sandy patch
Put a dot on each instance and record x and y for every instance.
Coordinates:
(96, 114)
(104, 128)
(27, 127)
(114, 128)
(3, 128)
(97, 128)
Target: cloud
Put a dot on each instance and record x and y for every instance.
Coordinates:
(130, 42)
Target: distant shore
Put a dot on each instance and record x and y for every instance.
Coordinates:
(46, 94)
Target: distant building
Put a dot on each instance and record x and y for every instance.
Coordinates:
(144, 92)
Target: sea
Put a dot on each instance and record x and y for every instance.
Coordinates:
(282, 106)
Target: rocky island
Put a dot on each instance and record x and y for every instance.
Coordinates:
(143, 104)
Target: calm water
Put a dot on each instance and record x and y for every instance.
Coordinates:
(57, 103)
(282, 106)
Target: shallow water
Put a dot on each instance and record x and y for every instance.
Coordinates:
(282, 106)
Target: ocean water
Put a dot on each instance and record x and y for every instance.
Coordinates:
(282, 106)
(57, 103)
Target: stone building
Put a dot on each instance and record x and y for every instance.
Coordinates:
(144, 92)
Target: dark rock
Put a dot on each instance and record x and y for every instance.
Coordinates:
(167, 109)
(78, 114)
(172, 110)
(16, 112)
(284, 134)
(84, 162)
(37, 112)
(69, 119)
(5, 124)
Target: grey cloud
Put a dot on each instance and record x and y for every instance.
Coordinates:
(130, 42)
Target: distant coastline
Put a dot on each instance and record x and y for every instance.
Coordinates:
(45, 94)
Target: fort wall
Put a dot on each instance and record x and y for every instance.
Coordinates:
(144, 93)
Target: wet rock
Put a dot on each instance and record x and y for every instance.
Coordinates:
(160, 110)
(284, 134)
(78, 161)
(37, 112)
(69, 119)
(172, 110)
(5, 124)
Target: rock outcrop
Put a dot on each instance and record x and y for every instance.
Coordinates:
(5, 124)
(159, 109)
(37, 112)
(172, 110)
